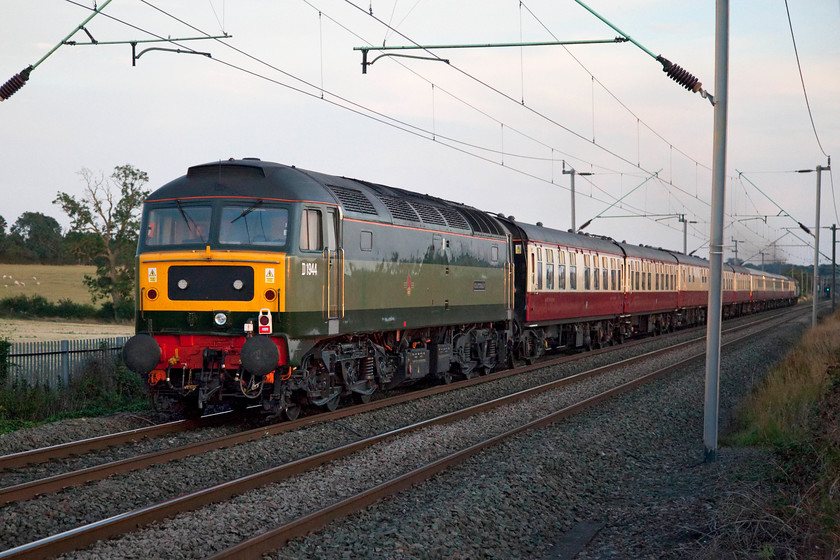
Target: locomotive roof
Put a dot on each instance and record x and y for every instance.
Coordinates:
(363, 200)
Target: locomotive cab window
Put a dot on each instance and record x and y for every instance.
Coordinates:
(182, 224)
(252, 225)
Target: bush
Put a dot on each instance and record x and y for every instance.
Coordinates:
(125, 310)
(102, 386)
(39, 306)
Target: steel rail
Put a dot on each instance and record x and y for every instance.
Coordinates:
(256, 547)
(29, 490)
(44, 454)
(122, 523)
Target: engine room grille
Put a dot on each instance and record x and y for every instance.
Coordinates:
(453, 218)
(399, 208)
(428, 214)
(353, 200)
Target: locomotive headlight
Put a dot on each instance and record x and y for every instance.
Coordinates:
(220, 319)
(183, 284)
(238, 285)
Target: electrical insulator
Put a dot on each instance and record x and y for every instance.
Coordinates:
(680, 75)
(15, 83)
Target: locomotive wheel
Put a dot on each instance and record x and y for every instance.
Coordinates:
(332, 404)
(291, 412)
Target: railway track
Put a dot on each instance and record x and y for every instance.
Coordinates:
(80, 537)
(31, 489)
(45, 454)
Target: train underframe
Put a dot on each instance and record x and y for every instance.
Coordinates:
(355, 366)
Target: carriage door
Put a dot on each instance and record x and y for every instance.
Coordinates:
(334, 265)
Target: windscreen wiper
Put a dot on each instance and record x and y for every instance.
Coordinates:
(248, 210)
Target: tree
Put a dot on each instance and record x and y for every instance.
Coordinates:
(113, 219)
(38, 234)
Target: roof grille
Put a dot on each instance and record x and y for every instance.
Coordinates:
(453, 217)
(399, 208)
(481, 222)
(428, 214)
(353, 200)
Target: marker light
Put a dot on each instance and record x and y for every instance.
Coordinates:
(220, 319)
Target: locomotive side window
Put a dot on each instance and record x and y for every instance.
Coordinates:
(494, 253)
(178, 225)
(332, 230)
(366, 240)
(310, 231)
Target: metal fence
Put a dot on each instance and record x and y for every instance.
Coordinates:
(53, 363)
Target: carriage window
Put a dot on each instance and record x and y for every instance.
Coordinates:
(597, 282)
(572, 276)
(310, 231)
(606, 278)
(178, 225)
(549, 275)
(539, 275)
(612, 280)
(561, 273)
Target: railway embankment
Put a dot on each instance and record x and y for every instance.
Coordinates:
(794, 416)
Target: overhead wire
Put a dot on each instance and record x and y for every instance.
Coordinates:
(614, 96)
(808, 105)
(802, 80)
(366, 111)
(359, 109)
(526, 106)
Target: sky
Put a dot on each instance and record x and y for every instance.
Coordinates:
(494, 128)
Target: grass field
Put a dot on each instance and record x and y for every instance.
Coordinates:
(51, 282)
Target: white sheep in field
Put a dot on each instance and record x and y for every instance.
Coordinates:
(17, 283)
